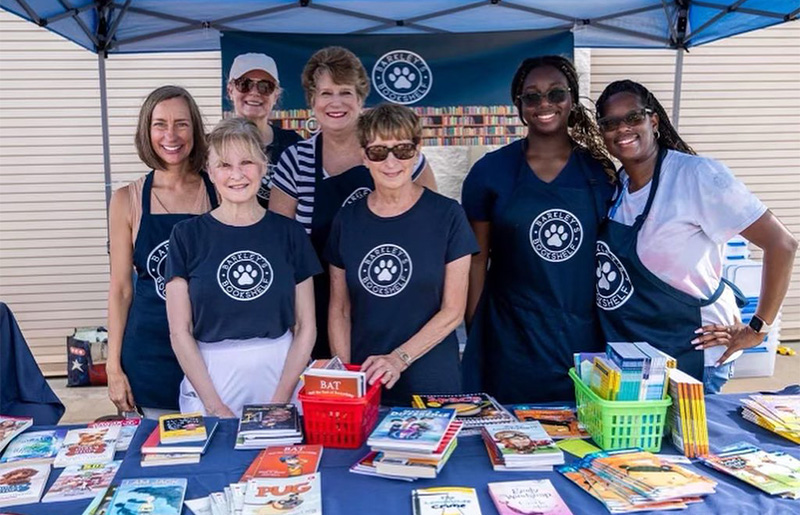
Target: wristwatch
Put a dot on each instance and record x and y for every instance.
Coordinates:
(404, 357)
(758, 325)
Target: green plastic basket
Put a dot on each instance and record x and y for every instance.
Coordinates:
(620, 424)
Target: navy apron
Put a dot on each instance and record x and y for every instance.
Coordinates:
(147, 357)
(537, 307)
(637, 306)
(329, 196)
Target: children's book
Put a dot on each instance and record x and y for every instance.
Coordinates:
(451, 500)
(82, 482)
(522, 441)
(473, 409)
(101, 502)
(453, 430)
(269, 420)
(34, 447)
(527, 498)
(301, 495)
(127, 430)
(87, 446)
(149, 496)
(22, 483)
(152, 445)
(366, 467)
(331, 378)
(558, 421)
(419, 467)
(411, 429)
(499, 464)
(287, 461)
(182, 428)
(775, 472)
(11, 427)
(161, 459)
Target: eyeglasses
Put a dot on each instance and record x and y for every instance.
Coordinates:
(245, 85)
(554, 96)
(631, 119)
(402, 151)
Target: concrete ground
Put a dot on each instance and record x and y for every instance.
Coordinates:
(89, 403)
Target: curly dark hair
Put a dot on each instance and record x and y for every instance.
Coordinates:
(582, 128)
(668, 137)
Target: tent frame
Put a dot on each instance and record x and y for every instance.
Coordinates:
(110, 14)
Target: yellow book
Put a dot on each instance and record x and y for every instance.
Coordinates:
(181, 428)
(704, 450)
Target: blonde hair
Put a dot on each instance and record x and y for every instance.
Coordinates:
(343, 66)
(236, 131)
(389, 121)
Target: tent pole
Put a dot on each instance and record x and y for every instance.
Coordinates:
(101, 68)
(676, 88)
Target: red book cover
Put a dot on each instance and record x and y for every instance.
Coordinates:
(288, 461)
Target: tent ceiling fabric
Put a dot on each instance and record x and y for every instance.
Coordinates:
(132, 26)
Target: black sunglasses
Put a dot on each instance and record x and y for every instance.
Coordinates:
(631, 119)
(401, 151)
(244, 85)
(554, 96)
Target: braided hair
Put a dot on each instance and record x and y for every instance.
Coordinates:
(582, 128)
(668, 137)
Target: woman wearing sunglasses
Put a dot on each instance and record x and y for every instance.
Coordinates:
(399, 262)
(659, 256)
(254, 89)
(316, 177)
(535, 206)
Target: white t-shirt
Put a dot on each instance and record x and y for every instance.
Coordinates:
(699, 206)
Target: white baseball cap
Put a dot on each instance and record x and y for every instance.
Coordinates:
(248, 62)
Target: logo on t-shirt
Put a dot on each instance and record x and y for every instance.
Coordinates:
(244, 275)
(357, 194)
(156, 267)
(402, 77)
(385, 270)
(614, 286)
(556, 235)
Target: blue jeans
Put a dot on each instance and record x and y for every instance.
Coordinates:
(714, 378)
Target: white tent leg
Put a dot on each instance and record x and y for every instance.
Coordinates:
(101, 68)
(676, 88)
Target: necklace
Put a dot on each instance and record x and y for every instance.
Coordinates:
(160, 202)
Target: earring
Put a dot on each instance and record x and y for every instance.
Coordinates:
(312, 124)
(657, 134)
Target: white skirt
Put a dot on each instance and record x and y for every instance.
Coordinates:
(242, 371)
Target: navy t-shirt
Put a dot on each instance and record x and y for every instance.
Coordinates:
(241, 279)
(395, 271)
(281, 140)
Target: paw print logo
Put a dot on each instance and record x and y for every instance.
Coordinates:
(605, 276)
(401, 78)
(385, 270)
(556, 236)
(245, 274)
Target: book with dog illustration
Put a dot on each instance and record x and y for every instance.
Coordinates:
(87, 446)
(284, 461)
(22, 484)
(10, 427)
(301, 495)
(82, 482)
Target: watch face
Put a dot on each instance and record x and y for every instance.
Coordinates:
(756, 323)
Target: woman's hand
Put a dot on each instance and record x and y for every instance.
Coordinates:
(119, 391)
(221, 411)
(384, 367)
(735, 337)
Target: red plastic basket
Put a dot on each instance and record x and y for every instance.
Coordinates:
(342, 423)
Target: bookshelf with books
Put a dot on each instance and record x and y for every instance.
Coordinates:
(441, 126)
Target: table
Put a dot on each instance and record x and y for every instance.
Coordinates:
(345, 493)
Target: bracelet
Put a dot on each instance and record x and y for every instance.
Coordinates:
(404, 357)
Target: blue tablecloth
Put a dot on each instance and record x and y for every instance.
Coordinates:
(345, 493)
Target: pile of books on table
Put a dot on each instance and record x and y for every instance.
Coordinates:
(265, 425)
(777, 413)
(179, 439)
(509, 497)
(687, 416)
(279, 480)
(411, 443)
(631, 480)
(775, 473)
(475, 410)
(521, 446)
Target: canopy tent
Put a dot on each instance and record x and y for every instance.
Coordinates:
(133, 26)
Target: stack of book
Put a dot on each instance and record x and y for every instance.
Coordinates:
(775, 473)
(10, 427)
(558, 421)
(34, 447)
(777, 413)
(687, 414)
(411, 443)
(276, 469)
(634, 371)
(475, 410)
(521, 446)
(631, 480)
(179, 439)
(527, 497)
(331, 378)
(266, 425)
(445, 500)
(82, 482)
(88, 446)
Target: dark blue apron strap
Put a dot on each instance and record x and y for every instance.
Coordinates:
(599, 207)
(637, 225)
(741, 299)
(210, 190)
(146, 189)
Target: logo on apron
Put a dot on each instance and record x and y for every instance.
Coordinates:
(357, 194)
(385, 270)
(556, 235)
(402, 77)
(614, 286)
(244, 275)
(156, 267)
